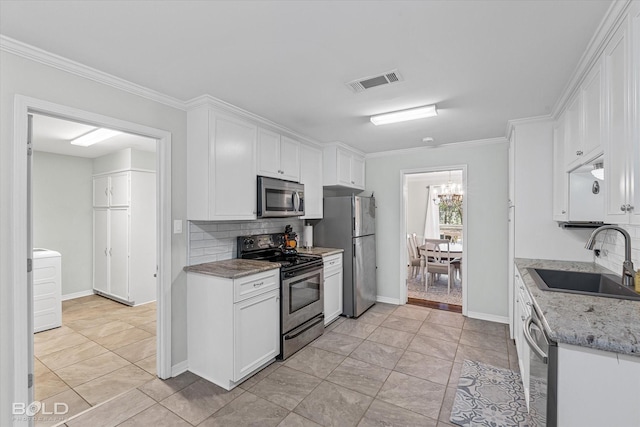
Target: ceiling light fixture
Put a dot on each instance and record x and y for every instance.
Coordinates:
(94, 137)
(405, 115)
(598, 171)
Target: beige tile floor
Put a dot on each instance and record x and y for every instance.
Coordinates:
(102, 349)
(394, 366)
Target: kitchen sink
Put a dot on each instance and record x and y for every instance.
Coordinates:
(575, 282)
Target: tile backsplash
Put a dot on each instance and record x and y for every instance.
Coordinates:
(611, 244)
(217, 240)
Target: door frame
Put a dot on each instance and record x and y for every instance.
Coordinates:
(22, 336)
(403, 227)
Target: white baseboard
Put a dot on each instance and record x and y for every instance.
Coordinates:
(179, 368)
(77, 295)
(394, 301)
(488, 317)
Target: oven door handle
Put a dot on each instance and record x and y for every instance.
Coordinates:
(298, 333)
(311, 271)
(532, 344)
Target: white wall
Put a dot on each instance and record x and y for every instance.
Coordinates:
(486, 194)
(124, 159)
(537, 235)
(27, 77)
(62, 215)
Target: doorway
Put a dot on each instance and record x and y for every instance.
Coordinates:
(433, 231)
(94, 239)
(21, 243)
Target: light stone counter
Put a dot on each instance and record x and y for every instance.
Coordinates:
(323, 252)
(232, 268)
(608, 324)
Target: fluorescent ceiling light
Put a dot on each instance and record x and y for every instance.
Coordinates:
(94, 137)
(405, 115)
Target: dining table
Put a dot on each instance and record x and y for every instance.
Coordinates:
(455, 250)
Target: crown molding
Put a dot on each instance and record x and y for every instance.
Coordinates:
(33, 53)
(511, 124)
(609, 24)
(225, 107)
(463, 144)
(345, 146)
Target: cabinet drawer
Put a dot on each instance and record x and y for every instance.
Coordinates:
(256, 284)
(332, 262)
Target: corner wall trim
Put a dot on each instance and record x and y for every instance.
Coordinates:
(77, 295)
(387, 300)
(488, 317)
(179, 368)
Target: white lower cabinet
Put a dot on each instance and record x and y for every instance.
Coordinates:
(233, 325)
(523, 311)
(332, 287)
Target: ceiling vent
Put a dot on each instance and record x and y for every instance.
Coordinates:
(360, 85)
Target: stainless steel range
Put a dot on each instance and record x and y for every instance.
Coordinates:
(301, 288)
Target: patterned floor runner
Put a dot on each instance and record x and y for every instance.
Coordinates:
(489, 397)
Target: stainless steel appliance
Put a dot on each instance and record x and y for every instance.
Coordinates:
(278, 198)
(349, 223)
(301, 289)
(543, 373)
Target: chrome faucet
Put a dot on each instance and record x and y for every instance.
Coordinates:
(628, 273)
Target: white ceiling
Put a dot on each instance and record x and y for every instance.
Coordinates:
(52, 135)
(482, 62)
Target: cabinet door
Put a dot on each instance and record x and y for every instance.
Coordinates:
(560, 175)
(290, 159)
(344, 167)
(634, 190)
(357, 172)
(232, 170)
(119, 189)
(572, 135)
(101, 250)
(256, 332)
(592, 113)
(101, 192)
(311, 177)
(119, 253)
(616, 170)
(332, 296)
(269, 154)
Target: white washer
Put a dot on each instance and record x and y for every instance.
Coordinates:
(47, 303)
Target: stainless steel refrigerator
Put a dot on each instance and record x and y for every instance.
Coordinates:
(349, 223)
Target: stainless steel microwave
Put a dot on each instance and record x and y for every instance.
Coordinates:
(278, 198)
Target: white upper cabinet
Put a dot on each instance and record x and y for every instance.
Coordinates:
(221, 172)
(621, 142)
(311, 177)
(583, 120)
(560, 175)
(111, 190)
(278, 156)
(343, 167)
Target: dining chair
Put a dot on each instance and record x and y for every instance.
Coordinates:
(414, 257)
(438, 260)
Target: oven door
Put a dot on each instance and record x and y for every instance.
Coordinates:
(302, 297)
(277, 198)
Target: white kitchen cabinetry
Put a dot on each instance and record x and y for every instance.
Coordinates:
(343, 167)
(560, 175)
(523, 311)
(278, 156)
(221, 173)
(583, 122)
(311, 177)
(233, 325)
(332, 287)
(124, 236)
(622, 151)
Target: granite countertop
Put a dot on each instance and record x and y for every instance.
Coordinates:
(602, 323)
(232, 268)
(323, 252)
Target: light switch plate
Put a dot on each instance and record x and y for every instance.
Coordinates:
(177, 226)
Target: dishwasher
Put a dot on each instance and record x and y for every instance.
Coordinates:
(543, 373)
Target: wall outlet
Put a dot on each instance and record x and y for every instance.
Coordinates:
(177, 226)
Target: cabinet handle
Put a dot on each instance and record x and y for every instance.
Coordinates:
(255, 285)
(106, 191)
(109, 251)
(105, 251)
(579, 153)
(528, 303)
(522, 288)
(623, 208)
(629, 208)
(353, 182)
(522, 318)
(564, 212)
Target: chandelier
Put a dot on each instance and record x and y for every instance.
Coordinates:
(450, 195)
